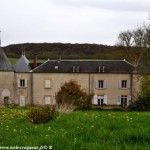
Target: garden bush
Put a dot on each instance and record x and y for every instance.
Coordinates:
(41, 114)
(142, 104)
(143, 101)
(70, 93)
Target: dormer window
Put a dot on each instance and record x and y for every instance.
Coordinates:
(101, 68)
(56, 67)
(76, 68)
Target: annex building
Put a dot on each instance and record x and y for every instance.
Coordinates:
(112, 82)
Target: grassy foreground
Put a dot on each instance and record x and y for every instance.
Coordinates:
(81, 130)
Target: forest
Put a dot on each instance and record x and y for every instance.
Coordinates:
(71, 51)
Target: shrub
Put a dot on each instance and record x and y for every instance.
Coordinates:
(41, 114)
(142, 104)
(143, 101)
(70, 93)
(66, 108)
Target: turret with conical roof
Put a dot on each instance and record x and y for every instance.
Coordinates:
(4, 63)
(22, 65)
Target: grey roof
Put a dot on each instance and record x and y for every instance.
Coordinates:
(89, 66)
(143, 65)
(4, 63)
(32, 65)
(22, 65)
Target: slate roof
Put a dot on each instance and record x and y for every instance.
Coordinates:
(22, 65)
(4, 63)
(143, 65)
(32, 65)
(85, 66)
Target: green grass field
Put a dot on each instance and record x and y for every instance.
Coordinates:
(80, 130)
(14, 60)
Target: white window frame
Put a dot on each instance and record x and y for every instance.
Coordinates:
(22, 83)
(103, 99)
(101, 68)
(47, 100)
(123, 98)
(101, 84)
(95, 99)
(76, 68)
(47, 83)
(124, 84)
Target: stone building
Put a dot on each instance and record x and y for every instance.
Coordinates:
(110, 81)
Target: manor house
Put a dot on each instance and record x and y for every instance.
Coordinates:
(112, 82)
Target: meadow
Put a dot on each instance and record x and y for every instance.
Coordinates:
(79, 130)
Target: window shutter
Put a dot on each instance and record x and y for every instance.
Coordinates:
(95, 100)
(103, 68)
(128, 84)
(105, 84)
(96, 84)
(105, 99)
(18, 83)
(129, 97)
(26, 83)
(47, 83)
(128, 100)
(47, 100)
(22, 101)
(119, 100)
(120, 84)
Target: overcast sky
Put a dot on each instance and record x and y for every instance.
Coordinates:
(69, 21)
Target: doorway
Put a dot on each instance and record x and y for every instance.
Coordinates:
(100, 100)
(22, 101)
(6, 98)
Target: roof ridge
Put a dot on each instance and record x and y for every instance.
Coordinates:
(85, 60)
(39, 65)
(129, 63)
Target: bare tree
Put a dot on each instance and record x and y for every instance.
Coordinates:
(125, 38)
(147, 36)
(138, 37)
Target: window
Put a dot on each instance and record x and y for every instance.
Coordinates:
(100, 100)
(124, 99)
(56, 67)
(47, 84)
(124, 84)
(22, 83)
(76, 68)
(6, 100)
(47, 100)
(101, 68)
(100, 84)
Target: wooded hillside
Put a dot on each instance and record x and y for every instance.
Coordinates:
(70, 51)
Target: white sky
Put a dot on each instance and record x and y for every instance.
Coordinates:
(69, 21)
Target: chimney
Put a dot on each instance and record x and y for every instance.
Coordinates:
(35, 60)
(136, 61)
